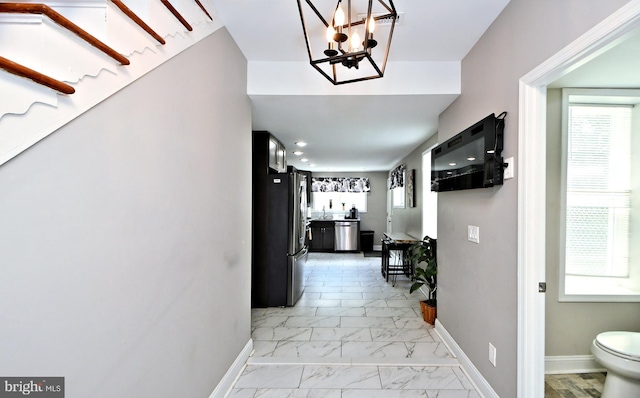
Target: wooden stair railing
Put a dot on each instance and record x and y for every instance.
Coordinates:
(137, 20)
(203, 9)
(36, 76)
(22, 8)
(177, 15)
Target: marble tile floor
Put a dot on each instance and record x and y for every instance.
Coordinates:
(351, 335)
(581, 385)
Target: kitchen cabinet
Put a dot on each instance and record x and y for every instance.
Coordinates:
(269, 154)
(277, 155)
(323, 236)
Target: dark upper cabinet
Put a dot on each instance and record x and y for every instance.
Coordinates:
(277, 155)
(269, 153)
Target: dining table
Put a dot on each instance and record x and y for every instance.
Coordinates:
(396, 258)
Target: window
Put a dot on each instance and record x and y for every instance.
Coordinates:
(398, 197)
(329, 194)
(332, 201)
(397, 184)
(597, 264)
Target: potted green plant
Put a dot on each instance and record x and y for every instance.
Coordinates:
(425, 274)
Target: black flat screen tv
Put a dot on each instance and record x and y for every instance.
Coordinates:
(471, 159)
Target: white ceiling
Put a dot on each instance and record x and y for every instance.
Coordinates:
(360, 126)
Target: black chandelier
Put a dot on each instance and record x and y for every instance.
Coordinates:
(346, 40)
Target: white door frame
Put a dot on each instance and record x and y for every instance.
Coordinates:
(389, 220)
(426, 190)
(531, 186)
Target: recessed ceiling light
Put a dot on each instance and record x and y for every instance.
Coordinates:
(304, 160)
(452, 164)
(298, 153)
(301, 143)
(471, 159)
(491, 151)
(312, 165)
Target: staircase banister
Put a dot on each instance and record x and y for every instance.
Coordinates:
(203, 9)
(134, 17)
(22, 71)
(38, 8)
(176, 14)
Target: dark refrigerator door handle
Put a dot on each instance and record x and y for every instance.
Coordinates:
(298, 209)
(294, 209)
(296, 276)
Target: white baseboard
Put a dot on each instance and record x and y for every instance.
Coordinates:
(478, 381)
(224, 387)
(571, 364)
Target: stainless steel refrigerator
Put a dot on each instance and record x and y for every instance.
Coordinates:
(279, 245)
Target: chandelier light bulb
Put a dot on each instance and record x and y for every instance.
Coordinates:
(330, 33)
(339, 17)
(370, 42)
(355, 41)
(331, 37)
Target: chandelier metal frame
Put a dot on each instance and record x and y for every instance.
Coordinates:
(339, 53)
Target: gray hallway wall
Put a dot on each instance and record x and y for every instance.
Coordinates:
(125, 236)
(477, 283)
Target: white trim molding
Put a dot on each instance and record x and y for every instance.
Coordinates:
(531, 185)
(531, 249)
(479, 382)
(229, 379)
(571, 364)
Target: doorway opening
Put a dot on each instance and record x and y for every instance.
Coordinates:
(531, 186)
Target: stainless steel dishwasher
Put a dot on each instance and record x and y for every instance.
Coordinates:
(346, 236)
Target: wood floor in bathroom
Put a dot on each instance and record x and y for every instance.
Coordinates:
(582, 385)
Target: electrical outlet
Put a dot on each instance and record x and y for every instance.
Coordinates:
(473, 233)
(508, 171)
(492, 354)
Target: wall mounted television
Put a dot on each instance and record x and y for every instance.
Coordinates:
(471, 159)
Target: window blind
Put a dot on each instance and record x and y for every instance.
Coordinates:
(598, 190)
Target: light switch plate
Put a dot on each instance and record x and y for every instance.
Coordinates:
(473, 233)
(508, 171)
(492, 354)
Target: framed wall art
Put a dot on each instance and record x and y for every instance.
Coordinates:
(411, 194)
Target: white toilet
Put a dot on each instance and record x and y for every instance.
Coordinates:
(619, 353)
